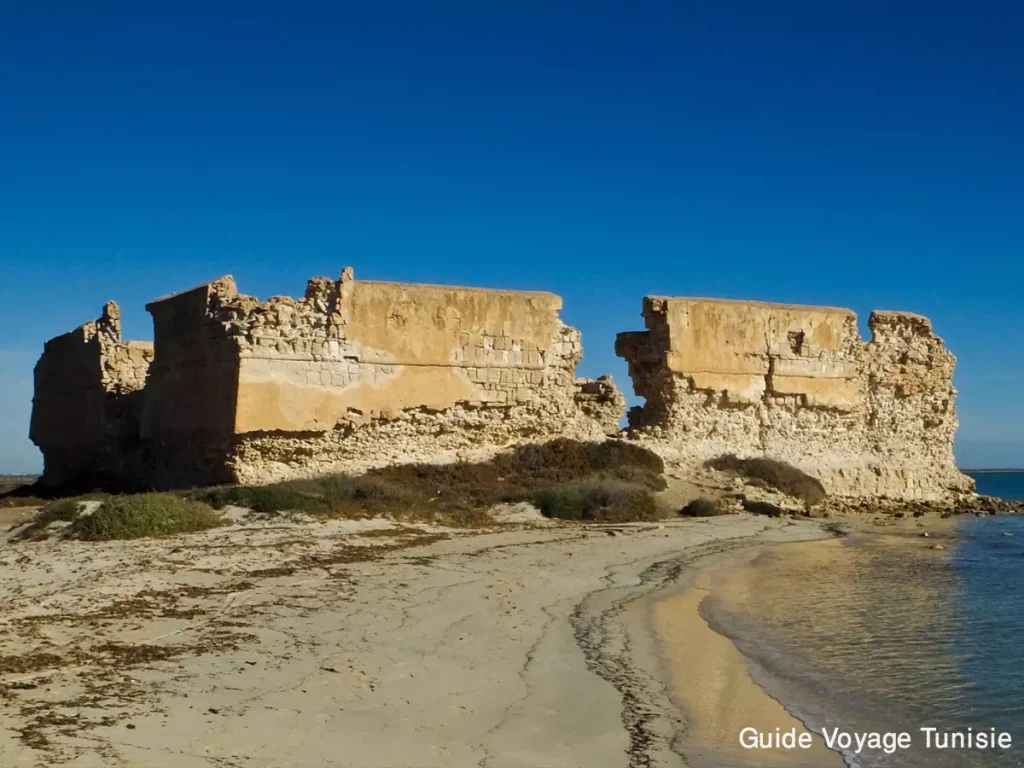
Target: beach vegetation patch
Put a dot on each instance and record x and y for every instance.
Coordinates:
(609, 481)
(571, 479)
(60, 511)
(66, 510)
(144, 515)
(336, 496)
(262, 499)
(566, 479)
(366, 496)
(603, 501)
(515, 475)
(779, 475)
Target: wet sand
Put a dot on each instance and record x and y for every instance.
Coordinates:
(710, 680)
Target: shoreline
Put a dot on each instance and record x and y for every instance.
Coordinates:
(712, 682)
(620, 636)
(722, 676)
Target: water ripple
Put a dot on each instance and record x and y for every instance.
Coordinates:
(886, 635)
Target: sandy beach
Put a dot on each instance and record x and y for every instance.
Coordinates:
(354, 643)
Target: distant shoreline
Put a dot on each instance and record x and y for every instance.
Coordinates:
(1008, 471)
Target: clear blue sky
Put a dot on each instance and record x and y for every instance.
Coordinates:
(866, 154)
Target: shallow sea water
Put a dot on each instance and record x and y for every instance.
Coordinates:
(887, 634)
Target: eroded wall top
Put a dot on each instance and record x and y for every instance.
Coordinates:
(346, 351)
(799, 384)
(84, 406)
(745, 349)
(353, 349)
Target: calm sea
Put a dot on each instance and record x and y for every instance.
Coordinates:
(880, 633)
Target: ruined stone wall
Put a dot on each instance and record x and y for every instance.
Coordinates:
(85, 409)
(188, 420)
(602, 401)
(798, 384)
(364, 373)
(352, 375)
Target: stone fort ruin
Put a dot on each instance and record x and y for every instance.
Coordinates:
(355, 374)
(359, 374)
(798, 384)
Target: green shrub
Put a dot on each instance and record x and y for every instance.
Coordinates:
(515, 475)
(65, 509)
(143, 515)
(620, 479)
(777, 474)
(374, 495)
(598, 501)
(703, 508)
(561, 460)
(264, 499)
(566, 479)
(608, 480)
(331, 495)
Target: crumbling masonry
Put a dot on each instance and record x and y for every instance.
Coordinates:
(353, 375)
(360, 373)
(88, 398)
(798, 384)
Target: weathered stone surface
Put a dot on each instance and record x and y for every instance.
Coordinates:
(359, 373)
(599, 399)
(87, 398)
(355, 374)
(798, 384)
